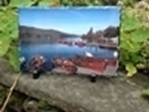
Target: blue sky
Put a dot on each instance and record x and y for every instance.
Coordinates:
(71, 20)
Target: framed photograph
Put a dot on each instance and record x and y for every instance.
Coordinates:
(73, 40)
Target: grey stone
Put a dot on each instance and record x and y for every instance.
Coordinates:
(77, 94)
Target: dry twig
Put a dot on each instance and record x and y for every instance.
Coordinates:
(10, 92)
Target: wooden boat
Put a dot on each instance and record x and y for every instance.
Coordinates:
(93, 63)
(66, 64)
(84, 64)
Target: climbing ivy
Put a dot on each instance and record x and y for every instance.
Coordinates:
(134, 31)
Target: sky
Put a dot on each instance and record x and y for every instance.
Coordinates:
(70, 20)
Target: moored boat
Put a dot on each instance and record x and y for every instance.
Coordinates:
(108, 45)
(66, 64)
(85, 64)
(80, 44)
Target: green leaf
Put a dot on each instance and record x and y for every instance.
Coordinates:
(12, 24)
(13, 56)
(130, 46)
(131, 69)
(129, 22)
(140, 35)
(145, 92)
(4, 44)
(44, 105)
(3, 20)
(21, 3)
(46, 2)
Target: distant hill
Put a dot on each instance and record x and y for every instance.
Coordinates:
(107, 34)
(36, 35)
(111, 32)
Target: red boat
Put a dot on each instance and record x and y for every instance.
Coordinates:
(85, 65)
(65, 64)
(94, 64)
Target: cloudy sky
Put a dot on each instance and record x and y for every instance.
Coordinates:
(70, 20)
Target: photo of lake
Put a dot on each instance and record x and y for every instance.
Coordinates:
(69, 40)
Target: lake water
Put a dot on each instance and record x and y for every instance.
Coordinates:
(51, 50)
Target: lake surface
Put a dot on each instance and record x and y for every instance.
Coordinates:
(50, 50)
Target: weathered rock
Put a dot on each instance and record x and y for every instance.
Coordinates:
(78, 94)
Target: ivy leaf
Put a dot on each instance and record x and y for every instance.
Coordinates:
(131, 69)
(130, 46)
(12, 28)
(13, 56)
(3, 20)
(12, 24)
(140, 35)
(47, 2)
(21, 3)
(129, 23)
(4, 44)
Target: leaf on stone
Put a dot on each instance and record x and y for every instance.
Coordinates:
(44, 105)
(131, 69)
(145, 92)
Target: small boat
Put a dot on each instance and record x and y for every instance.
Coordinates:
(85, 64)
(60, 41)
(65, 64)
(36, 66)
(80, 44)
(108, 45)
(36, 63)
(70, 43)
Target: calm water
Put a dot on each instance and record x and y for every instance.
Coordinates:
(51, 50)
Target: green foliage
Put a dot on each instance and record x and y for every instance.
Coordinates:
(145, 92)
(25, 3)
(130, 2)
(8, 33)
(131, 69)
(134, 38)
(4, 44)
(45, 106)
(13, 56)
(46, 2)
